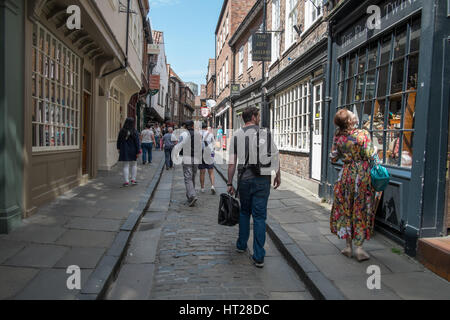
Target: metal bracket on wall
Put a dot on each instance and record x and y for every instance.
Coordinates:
(123, 8)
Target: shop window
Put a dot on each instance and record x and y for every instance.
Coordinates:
(55, 93)
(380, 85)
(292, 119)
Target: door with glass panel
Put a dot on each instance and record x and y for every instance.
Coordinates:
(316, 152)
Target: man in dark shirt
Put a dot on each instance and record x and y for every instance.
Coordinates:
(254, 180)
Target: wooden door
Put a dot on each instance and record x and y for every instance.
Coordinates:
(86, 110)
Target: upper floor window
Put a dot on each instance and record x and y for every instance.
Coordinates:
(250, 52)
(276, 36)
(291, 21)
(313, 11)
(226, 72)
(228, 24)
(241, 60)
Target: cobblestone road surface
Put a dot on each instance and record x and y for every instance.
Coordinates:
(196, 258)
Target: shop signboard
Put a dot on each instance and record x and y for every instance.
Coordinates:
(205, 112)
(153, 49)
(262, 47)
(154, 81)
(391, 12)
(235, 89)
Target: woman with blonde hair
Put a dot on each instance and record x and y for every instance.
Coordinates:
(352, 215)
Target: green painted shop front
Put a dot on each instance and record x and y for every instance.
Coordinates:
(396, 79)
(11, 113)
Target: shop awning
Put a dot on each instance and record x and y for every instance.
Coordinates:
(223, 111)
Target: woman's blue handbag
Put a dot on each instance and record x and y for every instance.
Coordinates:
(380, 176)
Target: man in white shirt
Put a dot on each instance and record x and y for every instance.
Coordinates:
(147, 142)
(208, 158)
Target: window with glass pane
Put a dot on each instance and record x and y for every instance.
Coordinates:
(291, 123)
(383, 92)
(55, 93)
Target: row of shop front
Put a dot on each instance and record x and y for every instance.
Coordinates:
(68, 94)
(396, 80)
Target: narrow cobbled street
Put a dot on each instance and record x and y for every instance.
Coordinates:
(196, 258)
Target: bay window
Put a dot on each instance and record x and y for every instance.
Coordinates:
(379, 83)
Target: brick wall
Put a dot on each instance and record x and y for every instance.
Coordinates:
(237, 11)
(316, 33)
(253, 72)
(296, 164)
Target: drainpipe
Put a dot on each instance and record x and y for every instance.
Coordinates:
(327, 128)
(125, 65)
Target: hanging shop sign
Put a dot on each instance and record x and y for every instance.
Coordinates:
(205, 112)
(154, 82)
(153, 49)
(262, 47)
(235, 89)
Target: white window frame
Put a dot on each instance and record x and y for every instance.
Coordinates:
(311, 11)
(276, 22)
(241, 60)
(228, 24)
(226, 72)
(56, 94)
(292, 114)
(250, 52)
(291, 20)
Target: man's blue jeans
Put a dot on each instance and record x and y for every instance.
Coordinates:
(254, 195)
(147, 148)
(168, 154)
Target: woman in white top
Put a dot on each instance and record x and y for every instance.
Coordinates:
(147, 141)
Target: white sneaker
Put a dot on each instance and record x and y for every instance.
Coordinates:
(213, 190)
(203, 190)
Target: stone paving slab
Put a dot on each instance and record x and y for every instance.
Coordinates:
(37, 256)
(36, 234)
(86, 238)
(418, 285)
(51, 284)
(9, 249)
(85, 258)
(14, 279)
(93, 224)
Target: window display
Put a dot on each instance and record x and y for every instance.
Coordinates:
(292, 119)
(379, 84)
(56, 101)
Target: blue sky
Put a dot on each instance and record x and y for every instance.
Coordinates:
(188, 27)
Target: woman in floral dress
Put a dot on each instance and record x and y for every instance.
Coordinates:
(352, 216)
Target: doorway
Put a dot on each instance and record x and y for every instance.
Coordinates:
(317, 135)
(85, 146)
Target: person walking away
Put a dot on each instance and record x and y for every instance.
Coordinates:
(168, 145)
(352, 215)
(128, 146)
(208, 158)
(157, 137)
(254, 187)
(164, 130)
(219, 137)
(148, 140)
(188, 141)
